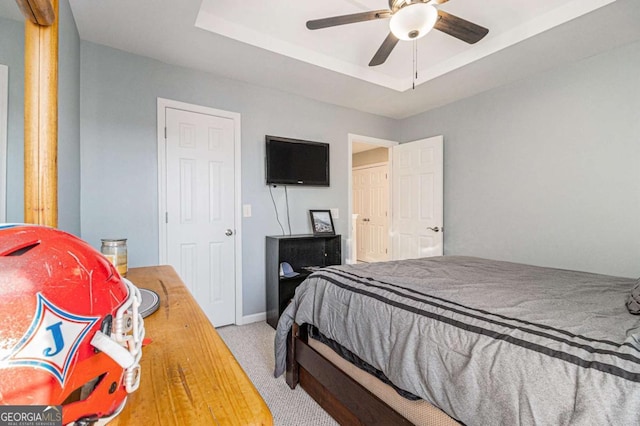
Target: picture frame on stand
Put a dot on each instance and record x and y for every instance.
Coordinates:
(321, 222)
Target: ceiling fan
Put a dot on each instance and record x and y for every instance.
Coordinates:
(410, 20)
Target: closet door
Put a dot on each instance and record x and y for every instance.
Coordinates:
(370, 202)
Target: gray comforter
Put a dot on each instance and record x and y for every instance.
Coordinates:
(488, 342)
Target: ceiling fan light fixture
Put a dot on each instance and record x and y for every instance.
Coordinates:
(413, 21)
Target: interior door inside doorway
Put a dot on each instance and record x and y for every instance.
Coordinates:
(371, 204)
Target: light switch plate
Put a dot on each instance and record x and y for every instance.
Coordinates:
(246, 210)
(334, 213)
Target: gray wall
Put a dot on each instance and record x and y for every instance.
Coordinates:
(12, 55)
(546, 170)
(68, 122)
(119, 92)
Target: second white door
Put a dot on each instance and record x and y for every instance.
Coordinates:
(418, 199)
(200, 208)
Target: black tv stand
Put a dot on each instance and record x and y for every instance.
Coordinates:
(304, 253)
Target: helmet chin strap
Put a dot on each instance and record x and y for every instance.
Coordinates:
(128, 361)
(115, 350)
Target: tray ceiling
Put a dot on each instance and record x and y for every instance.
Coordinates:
(266, 43)
(280, 27)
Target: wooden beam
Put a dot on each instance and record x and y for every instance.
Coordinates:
(41, 122)
(40, 12)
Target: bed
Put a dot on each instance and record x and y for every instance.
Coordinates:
(474, 340)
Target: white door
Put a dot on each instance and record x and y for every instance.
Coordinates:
(418, 198)
(370, 202)
(200, 208)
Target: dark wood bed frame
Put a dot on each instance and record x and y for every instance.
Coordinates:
(338, 394)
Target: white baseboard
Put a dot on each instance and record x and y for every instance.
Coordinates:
(248, 319)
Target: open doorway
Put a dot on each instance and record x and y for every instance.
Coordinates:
(415, 201)
(369, 199)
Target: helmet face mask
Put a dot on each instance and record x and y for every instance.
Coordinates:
(70, 330)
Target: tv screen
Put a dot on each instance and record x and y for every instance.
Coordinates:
(296, 162)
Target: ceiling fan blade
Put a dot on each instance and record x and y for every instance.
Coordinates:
(460, 28)
(384, 50)
(317, 24)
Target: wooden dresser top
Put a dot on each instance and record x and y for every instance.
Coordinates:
(189, 376)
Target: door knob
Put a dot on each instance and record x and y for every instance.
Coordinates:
(228, 232)
(434, 229)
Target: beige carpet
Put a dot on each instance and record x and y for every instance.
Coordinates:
(252, 345)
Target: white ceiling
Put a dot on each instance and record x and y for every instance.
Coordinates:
(266, 43)
(280, 27)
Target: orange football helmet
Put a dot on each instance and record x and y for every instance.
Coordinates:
(70, 331)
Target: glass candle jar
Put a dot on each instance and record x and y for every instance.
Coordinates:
(116, 251)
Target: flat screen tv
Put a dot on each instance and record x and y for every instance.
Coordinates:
(296, 162)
